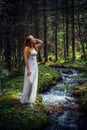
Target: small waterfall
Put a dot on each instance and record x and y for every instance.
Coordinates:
(57, 93)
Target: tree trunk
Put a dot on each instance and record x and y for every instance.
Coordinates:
(45, 30)
(56, 46)
(67, 38)
(0, 67)
(80, 37)
(64, 41)
(73, 30)
(7, 53)
(19, 55)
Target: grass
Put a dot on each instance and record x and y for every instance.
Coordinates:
(47, 77)
(16, 116)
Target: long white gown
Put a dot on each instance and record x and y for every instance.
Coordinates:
(30, 82)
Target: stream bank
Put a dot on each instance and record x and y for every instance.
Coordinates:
(62, 106)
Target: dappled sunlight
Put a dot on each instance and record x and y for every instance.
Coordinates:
(11, 98)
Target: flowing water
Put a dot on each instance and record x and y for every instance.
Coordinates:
(69, 117)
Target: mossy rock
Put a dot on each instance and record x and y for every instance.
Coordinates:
(81, 93)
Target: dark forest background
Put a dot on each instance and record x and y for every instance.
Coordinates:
(61, 24)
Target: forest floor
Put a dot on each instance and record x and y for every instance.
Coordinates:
(17, 116)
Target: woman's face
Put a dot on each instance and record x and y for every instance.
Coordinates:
(33, 41)
(30, 41)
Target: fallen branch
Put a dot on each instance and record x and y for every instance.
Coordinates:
(69, 100)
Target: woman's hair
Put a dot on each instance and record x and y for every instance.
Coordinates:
(28, 43)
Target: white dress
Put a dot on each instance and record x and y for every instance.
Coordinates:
(30, 82)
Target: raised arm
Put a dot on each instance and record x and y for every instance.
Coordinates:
(39, 43)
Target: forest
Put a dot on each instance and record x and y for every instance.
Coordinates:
(62, 26)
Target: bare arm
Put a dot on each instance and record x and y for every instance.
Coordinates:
(39, 43)
(26, 55)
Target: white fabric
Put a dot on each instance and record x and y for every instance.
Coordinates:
(30, 82)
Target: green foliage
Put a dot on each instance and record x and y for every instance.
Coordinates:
(16, 116)
(61, 34)
(47, 77)
(83, 74)
(67, 88)
(4, 73)
(81, 92)
(78, 64)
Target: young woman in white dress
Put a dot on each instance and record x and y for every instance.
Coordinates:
(31, 49)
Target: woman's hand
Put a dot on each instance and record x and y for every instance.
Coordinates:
(29, 73)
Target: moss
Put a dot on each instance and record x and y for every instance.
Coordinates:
(77, 64)
(83, 74)
(48, 76)
(81, 93)
(18, 116)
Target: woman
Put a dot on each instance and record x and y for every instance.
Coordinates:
(31, 49)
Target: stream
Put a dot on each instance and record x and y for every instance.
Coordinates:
(63, 107)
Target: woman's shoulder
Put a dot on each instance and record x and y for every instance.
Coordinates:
(26, 49)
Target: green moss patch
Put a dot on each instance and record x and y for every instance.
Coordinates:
(78, 64)
(47, 77)
(81, 93)
(16, 116)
